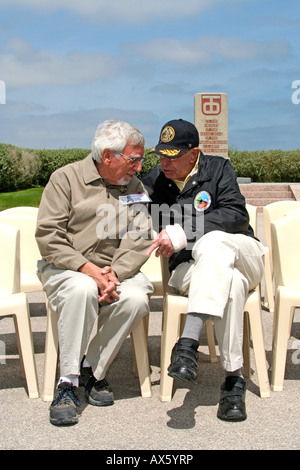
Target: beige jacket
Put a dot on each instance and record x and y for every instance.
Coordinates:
(81, 219)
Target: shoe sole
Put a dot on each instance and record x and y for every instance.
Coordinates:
(234, 415)
(64, 421)
(93, 402)
(232, 419)
(182, 377)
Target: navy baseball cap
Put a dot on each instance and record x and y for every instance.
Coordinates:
(176, 137)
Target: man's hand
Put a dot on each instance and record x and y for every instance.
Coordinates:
(106, 280)
(162, 244)
(110, 275)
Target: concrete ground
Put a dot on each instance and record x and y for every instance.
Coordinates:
(187, 423)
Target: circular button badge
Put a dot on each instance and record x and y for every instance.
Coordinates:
(202, 201)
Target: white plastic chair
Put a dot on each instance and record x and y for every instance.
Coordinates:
(29, 249)
(21, 210)
(285, 233)
(139, 345)
(272, 212)
(13, 302)
(152, 269)
(176, 305)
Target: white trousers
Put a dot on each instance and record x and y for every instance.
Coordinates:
(74, 296)
(225, 267)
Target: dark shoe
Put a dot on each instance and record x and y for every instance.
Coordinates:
(63, 409)
(98, 392)
(184, 360)
(232, 402)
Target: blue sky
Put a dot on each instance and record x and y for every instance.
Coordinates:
(70, 64)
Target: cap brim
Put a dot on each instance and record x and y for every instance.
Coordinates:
(167, 151)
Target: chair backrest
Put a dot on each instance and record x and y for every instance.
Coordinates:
(10, 260)
(285, 233)
(21, 210)
(275, 211)
(29, 251)
(252, 211)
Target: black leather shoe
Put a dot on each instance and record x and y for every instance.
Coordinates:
(184, 360)
(232, 405)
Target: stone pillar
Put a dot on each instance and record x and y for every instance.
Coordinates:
(211, 120)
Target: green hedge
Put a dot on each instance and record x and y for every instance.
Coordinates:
(25, 168)
(272, 166)
(50, 160)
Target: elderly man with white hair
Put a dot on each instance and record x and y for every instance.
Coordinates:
(91, 259)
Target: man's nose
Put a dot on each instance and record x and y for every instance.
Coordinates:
(138, 165)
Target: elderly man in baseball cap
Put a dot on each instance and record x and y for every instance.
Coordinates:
(208, 242)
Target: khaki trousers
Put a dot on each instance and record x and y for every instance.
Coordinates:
(225, 267)
(74, 297)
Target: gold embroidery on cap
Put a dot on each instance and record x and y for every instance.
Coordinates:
(170, 153)
(167, 134)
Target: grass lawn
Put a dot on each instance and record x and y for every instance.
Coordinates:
(28, 197)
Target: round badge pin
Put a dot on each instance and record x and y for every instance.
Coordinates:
(167, 134)
(202, 201)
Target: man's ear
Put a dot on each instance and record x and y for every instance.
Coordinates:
(106, 156)
(195, 153)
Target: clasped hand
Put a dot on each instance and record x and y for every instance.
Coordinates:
(106, 280)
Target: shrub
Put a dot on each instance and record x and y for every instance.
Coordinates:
(273, 166)
(150, 162)
(19, 168)
(51, 160)
(25, 168)
(7, 172)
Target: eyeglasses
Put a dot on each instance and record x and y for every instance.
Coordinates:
(133, 160)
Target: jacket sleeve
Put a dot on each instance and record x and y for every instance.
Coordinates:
(54, 241)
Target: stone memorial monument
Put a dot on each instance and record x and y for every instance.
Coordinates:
(211, 120)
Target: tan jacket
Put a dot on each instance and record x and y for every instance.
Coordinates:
(81, 219)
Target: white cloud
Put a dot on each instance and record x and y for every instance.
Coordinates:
(209, 49)
(22, 65)
(74, 128)
(131, 11)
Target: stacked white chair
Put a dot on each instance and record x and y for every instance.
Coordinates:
(13, 302)
(29, 251)
(272, 212)
(285, 233)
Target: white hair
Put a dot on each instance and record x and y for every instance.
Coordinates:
(114, 135)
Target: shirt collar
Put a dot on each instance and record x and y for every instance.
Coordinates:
(181, 184)
(90, 172)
